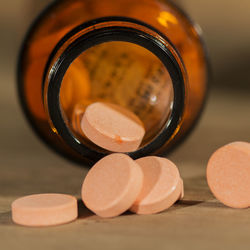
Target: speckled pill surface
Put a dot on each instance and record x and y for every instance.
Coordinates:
(41, 210)
(112, 185)
(112, 127)
(228, 174)
(162, 185)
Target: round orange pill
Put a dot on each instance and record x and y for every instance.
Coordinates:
(44, 210)
(112, 185)
(162, 185)
(112, 127)
(228, 174)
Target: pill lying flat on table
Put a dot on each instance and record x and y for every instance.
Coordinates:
(228, 174)
(44, 210)
(112, 127)
(112, 185)
(162, 185)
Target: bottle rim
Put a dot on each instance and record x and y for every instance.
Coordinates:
(111, 29)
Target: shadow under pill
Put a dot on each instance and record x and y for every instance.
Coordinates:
(178, 205)
(188, 203)
(5, 219)
(128, 213)
(181, 204)
(83, 211)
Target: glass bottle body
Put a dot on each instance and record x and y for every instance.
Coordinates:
(121, 68)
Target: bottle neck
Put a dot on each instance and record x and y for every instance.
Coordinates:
(101, 31)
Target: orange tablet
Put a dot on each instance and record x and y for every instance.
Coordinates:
(162, 185)
(228, 174)
(44, 210)
(112, 185)
(112, 127)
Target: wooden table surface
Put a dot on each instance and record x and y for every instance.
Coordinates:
(197, 222)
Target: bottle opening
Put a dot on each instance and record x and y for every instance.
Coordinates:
(121, 73)
(119, 61)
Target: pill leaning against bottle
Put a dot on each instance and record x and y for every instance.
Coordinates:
(112, 127)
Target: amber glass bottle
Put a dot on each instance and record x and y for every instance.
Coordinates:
(145, 55)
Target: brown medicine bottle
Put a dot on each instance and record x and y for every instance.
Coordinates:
(145, 55)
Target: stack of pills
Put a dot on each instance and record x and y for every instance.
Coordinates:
(118, 183)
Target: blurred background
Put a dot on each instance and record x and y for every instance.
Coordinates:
(225, 24)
